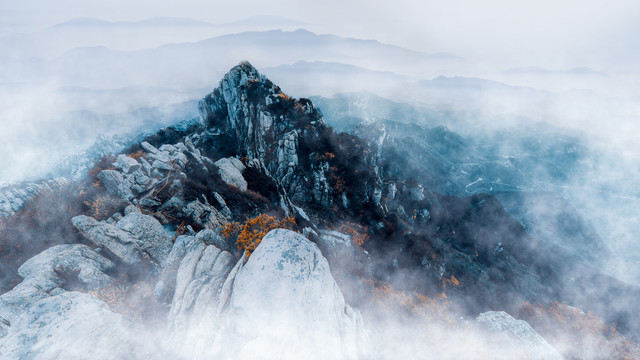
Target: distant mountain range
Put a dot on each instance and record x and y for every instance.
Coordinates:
(165, 21)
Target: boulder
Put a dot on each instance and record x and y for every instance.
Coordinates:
(281, 303)
(69, 258)
(116, 184)
(148, 147)
(165, 287)
(127, 164)
(72, 326)
(121, 243)
(45, 274)
(516, 336)
(199, 279)
(129, 238)
(230, 173)
(149, 233)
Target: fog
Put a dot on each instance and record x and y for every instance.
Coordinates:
(81, 79)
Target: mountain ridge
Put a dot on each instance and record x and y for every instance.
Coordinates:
(160, 214)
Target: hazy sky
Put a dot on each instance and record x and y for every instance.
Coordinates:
(557, 34)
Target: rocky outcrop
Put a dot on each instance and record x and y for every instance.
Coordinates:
(280, 303)
(73, 326)
(130, 238)
(13, 197)
(268, 126)
(199, 279)
(47, 273)
(230, 170)
(513, 336)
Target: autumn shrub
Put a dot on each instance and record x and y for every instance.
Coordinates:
(577, 334)
(359, 234)
(249, 234)
(135, 300)
(412, 304)
(102, 206)
(137, 154)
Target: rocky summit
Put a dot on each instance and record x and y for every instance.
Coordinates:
(262, 232)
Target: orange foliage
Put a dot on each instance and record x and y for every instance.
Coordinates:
(452, 280)
(327, 156)
(338, 183)
(576, 334)
(284, 96)
(249, 234)
(137, 155)
(102, 206)
(413, 303)
(359, 234)
(126, 298)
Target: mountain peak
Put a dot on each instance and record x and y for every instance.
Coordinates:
(254, 111)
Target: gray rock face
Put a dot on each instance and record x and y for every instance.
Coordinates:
(129, 238)
(516, 335)
(282, 301)
(264, 134)
(116, 184)
(72, 326)
(42, 278)
(127, 164)
(199, 279)
(89, 265)
(151, 236)
(166, 284)
(230, 173)
(13, 197)
(119, 242)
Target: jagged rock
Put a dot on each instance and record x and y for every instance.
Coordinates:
(148, 147)
(199, 279)
(162, 165)
(116, 184)
(121, 243)
(151, 236)
(73, 326)
(146, 166)
(168, 148)
(200, 213)
(148, 203)
(141, 178)
(231, 174)
(287, 282)
(156, 173)
(166, 284)
(127, 164)
(211, 237)
(13, 197)
(46, 272)
(48, 265)
(517, 335)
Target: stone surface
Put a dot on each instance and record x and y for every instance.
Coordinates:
(13, 197)
(165, 287)
(515, 335)
(282, 301)
(230, 174)
(127, 164)
(151, 236)
(72, 326)
(69, 258)
(116, 184)
(46, 273)
(199, 279)
(119, 242)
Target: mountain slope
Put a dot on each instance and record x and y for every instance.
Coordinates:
(176, 226)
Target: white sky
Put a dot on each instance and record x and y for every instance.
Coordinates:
(557, 34)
